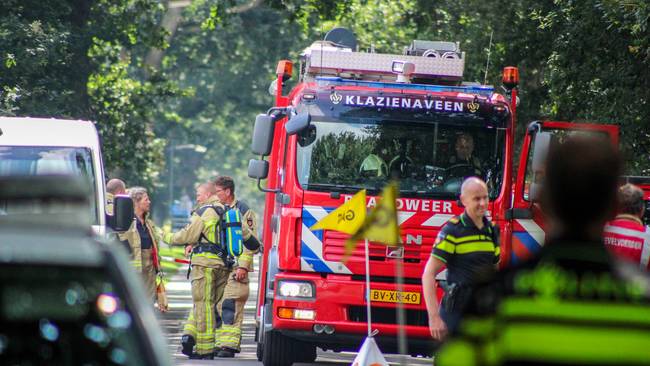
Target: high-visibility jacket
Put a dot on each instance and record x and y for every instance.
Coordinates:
(145, 261)
(200, 228)
(470, 253)
(133, 239)
(568, 306)
(110, 199)
(627, 238)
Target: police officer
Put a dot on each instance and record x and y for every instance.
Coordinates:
(626, 236)
(209, 272)
(571, 304)
(231, 307)
(468, 245)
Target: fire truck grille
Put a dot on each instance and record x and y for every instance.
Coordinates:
(387, 315)
(334, 245)
(387, 279)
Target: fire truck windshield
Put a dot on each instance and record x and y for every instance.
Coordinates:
(429, 159)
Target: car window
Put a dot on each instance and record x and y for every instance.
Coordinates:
(559, 136)
(48, 160)
(69, 316)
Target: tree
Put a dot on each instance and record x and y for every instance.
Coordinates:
(579, 61)
(599, 69)
(227, 58)
(82, 59)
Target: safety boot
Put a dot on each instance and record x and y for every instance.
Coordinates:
(207, 356)
(187, 344)
(226, 352)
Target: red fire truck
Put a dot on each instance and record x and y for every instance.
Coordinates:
(353, 121)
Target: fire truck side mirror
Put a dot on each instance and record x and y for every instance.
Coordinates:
(263, 135)
(122, 213)
(258, 169)
(542, 142)
(298, 123)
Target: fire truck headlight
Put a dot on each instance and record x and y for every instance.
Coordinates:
(296, 289)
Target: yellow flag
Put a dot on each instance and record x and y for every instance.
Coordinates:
(348, 218)
(381, 224)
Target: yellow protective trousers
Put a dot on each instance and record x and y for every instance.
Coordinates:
(231, 310)
(207, 290)
(148, 275)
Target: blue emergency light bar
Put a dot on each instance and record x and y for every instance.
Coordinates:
(482, 90)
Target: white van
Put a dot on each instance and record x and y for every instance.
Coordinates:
(42, 146)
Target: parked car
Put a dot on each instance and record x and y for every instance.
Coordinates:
(34, 147)
(67, 297)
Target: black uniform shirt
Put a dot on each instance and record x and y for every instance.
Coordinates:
(470, 253)
(145, 237)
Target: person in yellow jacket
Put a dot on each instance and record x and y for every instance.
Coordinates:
(209, 272)
(114, 187)
(143, 241)
(231, 306)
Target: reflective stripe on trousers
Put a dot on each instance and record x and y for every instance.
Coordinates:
(207, 289)
(231, 311)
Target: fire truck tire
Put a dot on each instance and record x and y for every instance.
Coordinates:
(278, 350)
(307, 354)
(259, 351)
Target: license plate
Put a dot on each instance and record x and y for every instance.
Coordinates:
(394, 296)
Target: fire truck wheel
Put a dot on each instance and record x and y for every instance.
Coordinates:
(307, 354)
(278, 350)
(259, 351)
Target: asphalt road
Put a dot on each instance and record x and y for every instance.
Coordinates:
(181, 302)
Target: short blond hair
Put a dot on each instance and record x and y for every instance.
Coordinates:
(136, 193)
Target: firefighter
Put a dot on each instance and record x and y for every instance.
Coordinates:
(464, 162)
(231, 307)
(626, 237)
(571, 305)
(114, 187)
(469, 246)
(209, 272)
(373, 167)
(143, 242)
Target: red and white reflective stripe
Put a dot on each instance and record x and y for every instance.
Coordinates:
(534, 230)
(437, 220)
(642, 235)
(403, 216)
(624, 231)
(645, 252)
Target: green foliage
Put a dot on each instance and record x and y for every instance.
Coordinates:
(337, 157)
(228, 61)
(578, 60)
(599, 70)
(82, 60)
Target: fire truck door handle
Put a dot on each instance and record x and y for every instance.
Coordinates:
(282, 198)
(275, 223)
(519, 213)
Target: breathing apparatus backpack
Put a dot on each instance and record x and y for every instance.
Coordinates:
(231, 232)
(226, 235)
